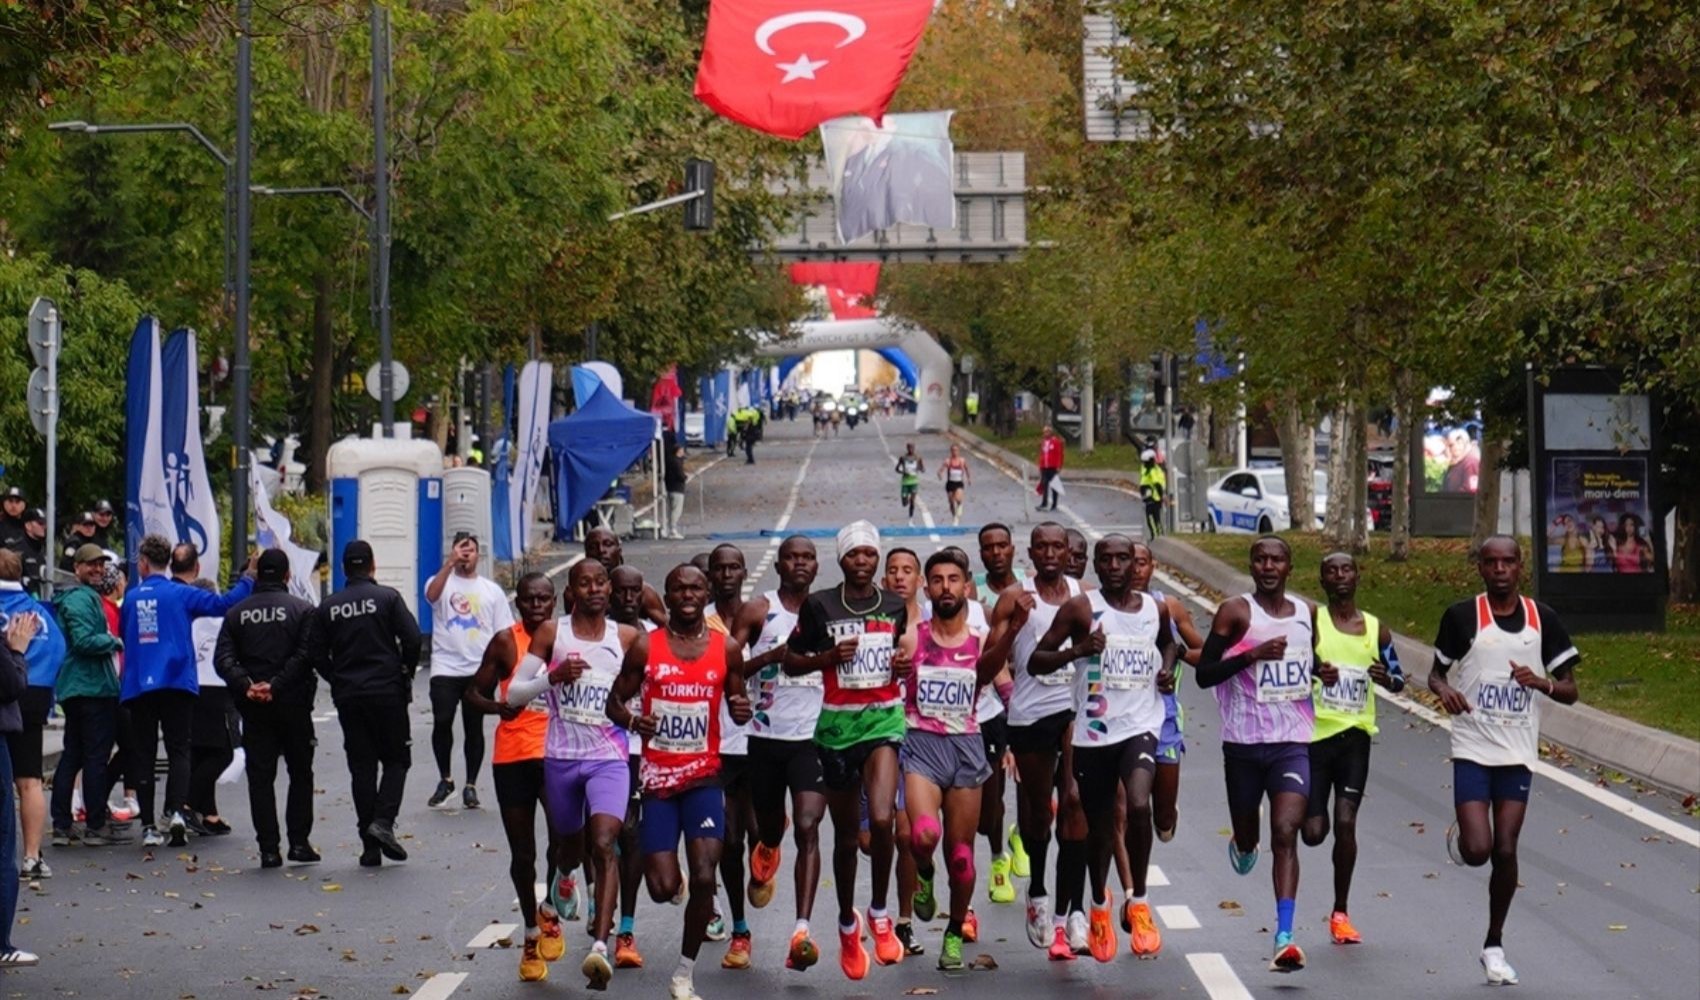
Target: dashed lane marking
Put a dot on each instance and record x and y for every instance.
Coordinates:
(1154, 876)
(1213, 970)
(440, 986)
(1178, 917)
(491, 935)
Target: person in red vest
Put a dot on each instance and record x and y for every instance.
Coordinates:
(1050, 464)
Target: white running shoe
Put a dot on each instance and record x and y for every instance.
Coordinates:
(1039, 921)
(179, 830)
(18, 958)
(682, 989)
(1458, 857)
(1499, 971)
(1077, 933)
(151, 837)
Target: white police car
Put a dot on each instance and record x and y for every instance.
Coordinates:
(1254, 501)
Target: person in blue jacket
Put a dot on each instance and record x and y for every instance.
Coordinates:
(45, 653)
(160, 681)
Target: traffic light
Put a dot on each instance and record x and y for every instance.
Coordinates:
(699, 212)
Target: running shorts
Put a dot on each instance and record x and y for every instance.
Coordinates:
(1254, 770)
(1473, 782)
(573, 789)
(519, 783)
(695, 813)
(26, 746)
(994, 732)
(1099, 770)
(957, 761)
(1339, 765)
(1171, 742)
(841, 770)
(1048, 735)
(780, 766)
(899, 805)
(734, 773)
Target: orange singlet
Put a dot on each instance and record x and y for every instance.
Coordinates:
(520, 738)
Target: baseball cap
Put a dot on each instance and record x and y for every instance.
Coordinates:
(103, 507)
(1147, 455)
(35, 515)
(91, 553)
(12, 493)
(273, 565)
(86, 518)
(358, 555)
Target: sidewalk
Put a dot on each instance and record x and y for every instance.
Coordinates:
(1662, 758)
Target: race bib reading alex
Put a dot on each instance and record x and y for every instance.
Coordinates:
(1282, 680)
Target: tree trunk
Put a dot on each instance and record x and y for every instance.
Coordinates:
(321, 425)
(1486, 520)
(1404, 415)
(1336, 520)
(1685, 554)
(1298, 459)
(1358, 471)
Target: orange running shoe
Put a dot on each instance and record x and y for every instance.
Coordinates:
(764, 870)
(970, 927)
(532, 968)
(553, 944)
(1147, 939)
(1100, 935)
(737, 953)
(626, 954)
(1341, 927)
(852, 954)
(803, 953)
(888, 950)
(1060, 951)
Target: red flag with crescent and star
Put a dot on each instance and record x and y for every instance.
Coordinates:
(785, 66)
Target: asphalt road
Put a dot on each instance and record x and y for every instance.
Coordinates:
(1610, 906)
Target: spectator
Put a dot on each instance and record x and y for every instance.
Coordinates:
(213, 736)
(12, 505)
(14, 679)
(673, 472)
(33, 550)
(43, 657)
(470, 611)
(1050, 465)
(107, 533)
(78, 535)
(88, 694)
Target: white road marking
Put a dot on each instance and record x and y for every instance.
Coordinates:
(796, 489)
(1154, 876)
(541, 892)
(440, 986)
(1213, 970)
(753, 578)
(1581, 786)
(646, 508)
(491, 934)
(1178, 918)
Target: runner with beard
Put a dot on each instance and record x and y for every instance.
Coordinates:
(943, 757)
(625, 605)
(516, 768)
(1040, 714)
(1124, 637)
(726, 573)
(683, 673)
(572, 663)
(783, 756)
(851, 633)
(997, 555)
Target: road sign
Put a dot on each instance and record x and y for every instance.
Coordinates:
(44, 329)
(398, 373)
(43, 401)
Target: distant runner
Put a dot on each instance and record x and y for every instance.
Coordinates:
(909, 469)
(956, 478)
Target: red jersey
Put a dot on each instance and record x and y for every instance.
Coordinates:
(1051, 453)
(685, 697)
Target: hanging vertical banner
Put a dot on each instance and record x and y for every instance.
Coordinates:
(194, 511)
(501, 472)
(273, 531)
(535, 382)
(144, 489)
(897, 169)
(716, 406)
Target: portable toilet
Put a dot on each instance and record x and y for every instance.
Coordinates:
(390, 493)
(466, 507)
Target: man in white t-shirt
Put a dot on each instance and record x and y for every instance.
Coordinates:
(468, 610)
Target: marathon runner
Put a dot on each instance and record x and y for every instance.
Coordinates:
(1507, 648)
(625, 605)
(909, 469)
(943, 756)
(1040, 713)
(1360, 648)
(782, 749)
(683, 672)
(851, 633)
(726, 573)
(956, 478)
(997, 555)
(1124, 636)
(914, 895)
(516, 767)
(603, 546)
(1259, 659)
(573, 662)
(1078, 556)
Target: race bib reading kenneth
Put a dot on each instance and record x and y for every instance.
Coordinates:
(1128, 664)
(584, 701)
(1350, 693)
(1282, 680)
(871, 667)
(944, 693)
(680, 726)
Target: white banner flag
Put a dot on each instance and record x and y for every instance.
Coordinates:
(899, 169)
(536, 380)
(273, 531)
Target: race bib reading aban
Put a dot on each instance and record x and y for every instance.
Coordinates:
(680, 726)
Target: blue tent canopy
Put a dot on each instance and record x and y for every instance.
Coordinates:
(591, 446)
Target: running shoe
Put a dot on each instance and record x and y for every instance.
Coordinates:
(95, 838)
(151, 837)
(1000, 889)
(445, 788)
(802, 954)
(906, 935)
(60, 838)
(852, 954)
(552, 942)
(716, 929)
(469, 800)
(1452, 850)
(532, 968)
(738, 953)
(126, 810)
(1018, 861)
(1147, 939)
(950, 953)
(178, 831)
(34, 868)
(1289, 957)
(682, 988)
(18, 958)
(1075, 925)
(1060, 950)
(1039, 920)
(888, 949)
(764, 871)
(1100, 936)
(970, 927)
(1340, 927)
(1167, 835)
(597, 971)
(626, 954)
(1499, 971)
(566, 897)
(926, 904)
(1243, 863)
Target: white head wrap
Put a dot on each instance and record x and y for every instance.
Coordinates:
(856, 535)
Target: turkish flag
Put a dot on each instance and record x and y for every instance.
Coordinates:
(850, 287)
(785, 66)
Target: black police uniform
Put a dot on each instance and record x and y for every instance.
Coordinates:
(366, 644)
(267, 638)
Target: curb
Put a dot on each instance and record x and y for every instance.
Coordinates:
(1661, 758)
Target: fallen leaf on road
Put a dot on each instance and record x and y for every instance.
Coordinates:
(1688, 803)
(173, 895)
(1229, 904)
(986, 962)
(1384, 895)
(401, 991)
(921, 991)
(331, 887)
(1617, 927)
(306, 929)
(1432, 875)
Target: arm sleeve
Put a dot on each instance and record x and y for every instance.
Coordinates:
(1390, 656)
(205, 604)
(531, 678)
(1212, 668)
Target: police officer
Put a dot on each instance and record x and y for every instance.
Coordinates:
(366, 643)
(108, 533)
(12, 504)
(33, 550)
(80, 533)
(262, 654)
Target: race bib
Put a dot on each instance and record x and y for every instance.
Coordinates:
(584, 701)
(1350, 694)
(871, 666)
(1057, 678)
(1127, 664)
(680, 726)
(945, 694)
(1504, 703)
(538, 704)
(1282, 680)
(813, 679)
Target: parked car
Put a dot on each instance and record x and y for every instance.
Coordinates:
(1381, 491)
(1254, 501)
(694, 424)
